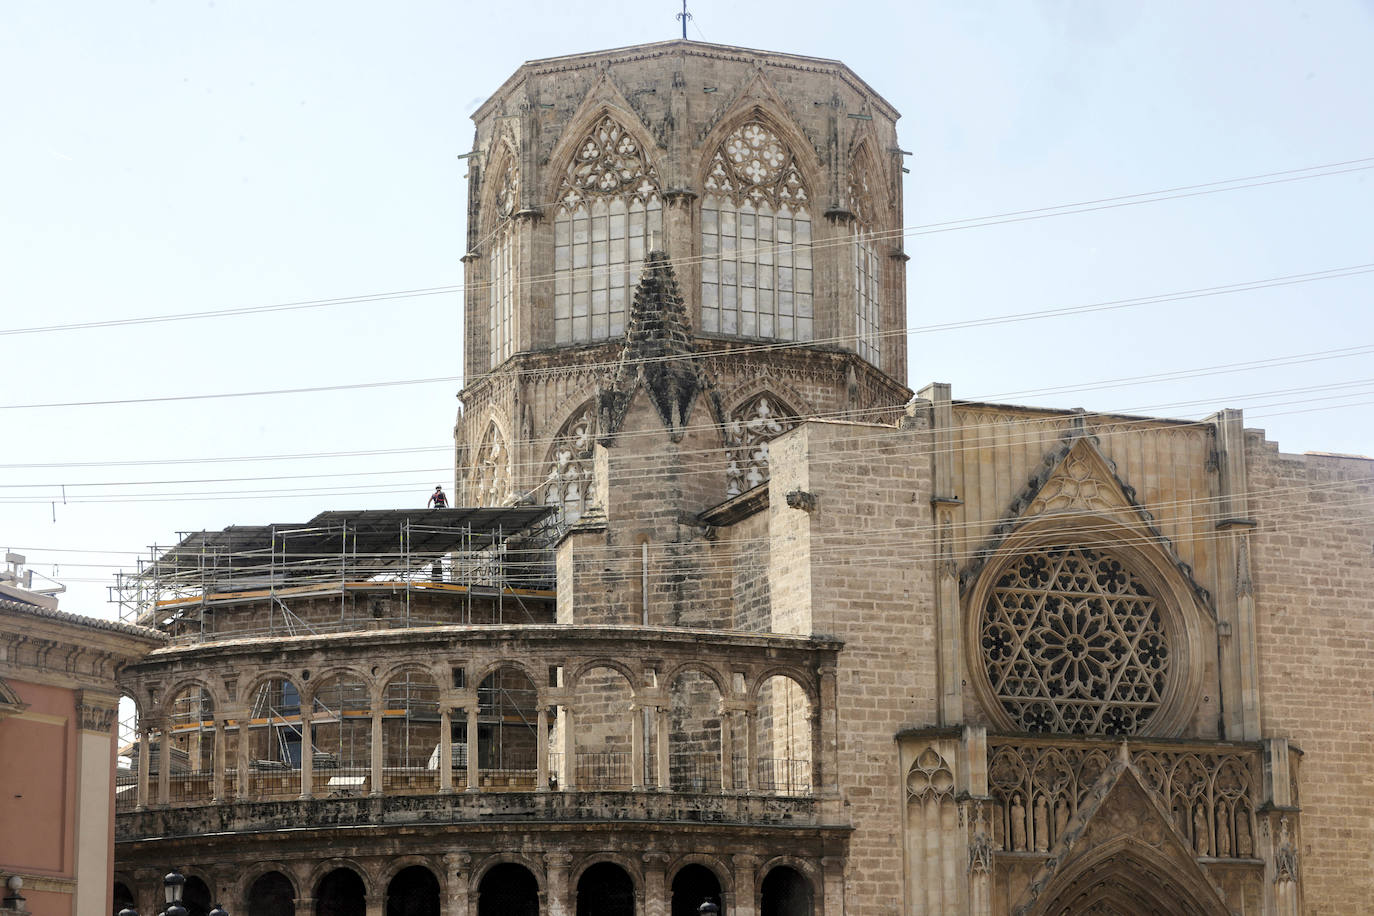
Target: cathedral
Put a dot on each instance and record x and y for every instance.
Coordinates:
(725, 612)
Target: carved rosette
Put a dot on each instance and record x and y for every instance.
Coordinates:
(753, 164)
(1073, 643)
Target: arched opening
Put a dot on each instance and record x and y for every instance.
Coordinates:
(782, 737)
(602, 730)
(123, 898)
(126, 763)
(413, 892)
(785, 892)
(341, 893)
(196, 897)
(507, 726)
(274, 739)
(694, 746)
(272, 895)
(341, 729)
(605, 890)
(410, 733)
(191, 719)
(508, 889)
(693, 885)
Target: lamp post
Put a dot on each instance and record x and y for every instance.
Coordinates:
(707, 908)
(173, 889)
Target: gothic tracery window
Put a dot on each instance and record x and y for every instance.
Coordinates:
(501, 267)
(491, 472)
(867, 267)
(568, 483)
(749, 429)
(609, 210)
(756, 276)
(1072, 642)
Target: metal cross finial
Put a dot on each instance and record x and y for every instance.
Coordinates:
(684, 16)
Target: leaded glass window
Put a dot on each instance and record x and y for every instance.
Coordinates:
(756, 271)
(501, 269)
(609, 212)
(1073, 642)
(867, 267)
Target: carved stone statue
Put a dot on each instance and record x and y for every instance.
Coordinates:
(1018, 824)
(1200, 841)
(1244, 846)
(1061, 818)
(1042, 831)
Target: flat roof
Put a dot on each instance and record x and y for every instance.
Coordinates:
(378, 533)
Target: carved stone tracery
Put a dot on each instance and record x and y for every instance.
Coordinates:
(1211, 796)
(754, 164)
(608, 161)
(492, 475)
(569, 481)
(1074, 643)
(751, 426)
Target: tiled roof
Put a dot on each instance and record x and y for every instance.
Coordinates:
(25, 607)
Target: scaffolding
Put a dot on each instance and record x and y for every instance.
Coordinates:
(385, 568)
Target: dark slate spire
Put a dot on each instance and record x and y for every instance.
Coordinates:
(659, 354)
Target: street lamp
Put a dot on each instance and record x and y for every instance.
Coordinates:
(173, 887)
(708, 908)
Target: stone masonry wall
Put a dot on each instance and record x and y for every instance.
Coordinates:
(872, 512)
(1313, 581)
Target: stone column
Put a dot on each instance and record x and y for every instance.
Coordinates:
(661, 751)
(751, 749)
(445, 750)
(164, 763)
(456, 882)
(474, 777)
(568, 749)
(832, 885)
(378, 776)
(1236, 627)
(556, 878)
(144, 765)
(244, 783)
(307, 752)
(727, 750)
(541, 749)
(944, 502)
(746, 894)
(376, 904)
(305, 905)
(217, 787)
(829, 758)
(655, 884)
(636, 747)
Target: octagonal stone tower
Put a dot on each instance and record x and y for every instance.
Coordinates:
(772, 183)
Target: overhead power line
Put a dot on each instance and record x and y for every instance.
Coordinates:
(1011, 216)
(1180, 295)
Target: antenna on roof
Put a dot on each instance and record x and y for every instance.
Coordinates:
(684, 16)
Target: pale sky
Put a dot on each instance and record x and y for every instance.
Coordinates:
(175, 157)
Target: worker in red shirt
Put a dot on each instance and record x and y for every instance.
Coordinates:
(437, 499)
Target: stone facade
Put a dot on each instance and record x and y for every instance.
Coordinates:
(814, 645)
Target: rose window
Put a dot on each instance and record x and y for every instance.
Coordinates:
(1073, 642)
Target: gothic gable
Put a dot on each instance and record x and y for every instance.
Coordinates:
(1077, 484)
(1121, 853)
